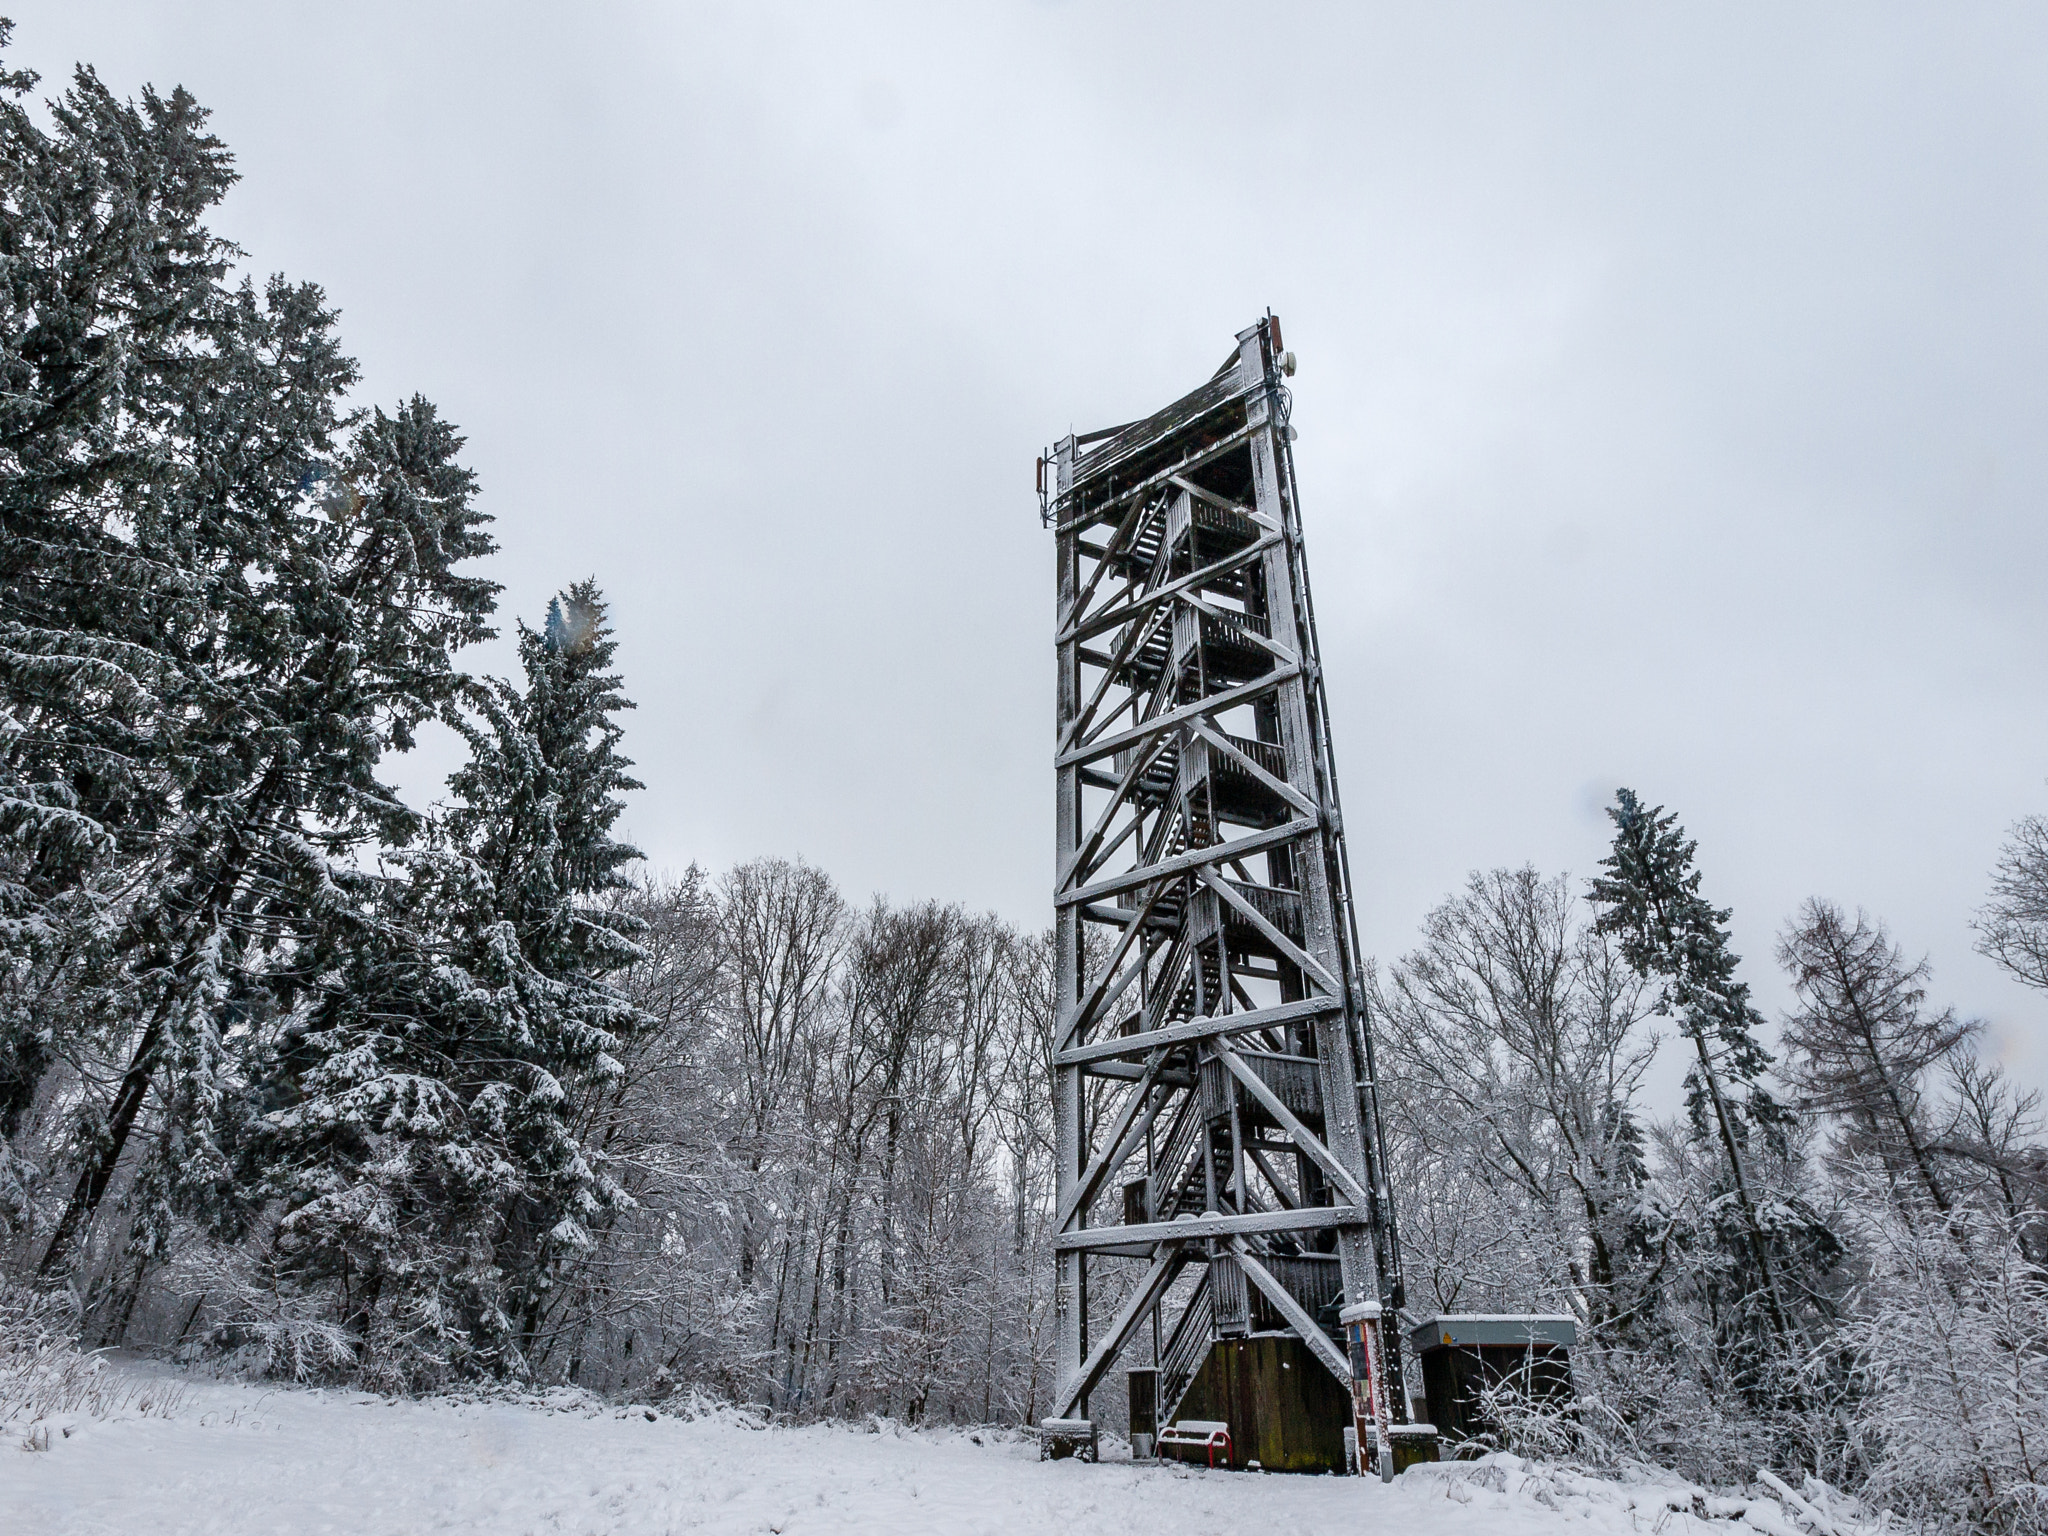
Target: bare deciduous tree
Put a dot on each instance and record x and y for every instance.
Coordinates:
(1514, 1039)
(2012, 928)
(1862, 1038)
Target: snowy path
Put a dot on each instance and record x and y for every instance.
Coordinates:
(247, 1460)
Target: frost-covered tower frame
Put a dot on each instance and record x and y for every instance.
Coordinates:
(1217, 1123)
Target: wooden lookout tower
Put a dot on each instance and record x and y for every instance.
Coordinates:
(1221, 1185)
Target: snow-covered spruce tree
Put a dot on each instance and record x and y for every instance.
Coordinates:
(334, 639)
(431, 1175)
(168, 613)
(106, 298)
(1760, 1250)
(110, 322)
(538, 801)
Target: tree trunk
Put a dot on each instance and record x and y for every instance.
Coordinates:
(99, 1169)
(1758, 1246)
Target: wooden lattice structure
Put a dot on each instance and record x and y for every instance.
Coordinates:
(1217, 1122)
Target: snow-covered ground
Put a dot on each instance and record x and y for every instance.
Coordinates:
(251, 1459)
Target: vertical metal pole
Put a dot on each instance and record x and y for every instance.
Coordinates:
(1337, 1068)
(1385, 1227)
(1070, 1297)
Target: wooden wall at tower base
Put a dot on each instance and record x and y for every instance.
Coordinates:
(1284, 1409)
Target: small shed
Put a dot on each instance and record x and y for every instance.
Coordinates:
(1463, 1354)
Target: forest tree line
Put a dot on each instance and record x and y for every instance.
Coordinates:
(1830, 1260)
(295, 1073)
(298, 1076)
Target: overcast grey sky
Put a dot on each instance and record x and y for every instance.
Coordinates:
(1671, 396)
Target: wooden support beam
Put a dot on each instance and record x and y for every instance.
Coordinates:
(1304, 1138)
(1130, 1072)
(1128, 1250)
(1096, 859)
(1100, 996)
(1256, 1151)
(1188, 464)
(1230, 698)
(1148, 1040)
(1125, 530)
(1308, 964)
(1186, 863)
(1083, 1194)
(1090, 852)
(1134, 638)
(1140, 1302)
(1108, 618)
(1190, 1229)
(1223, 503)
(1271, 647)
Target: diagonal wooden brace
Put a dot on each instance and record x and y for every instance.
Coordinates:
(1310, 966)
(1304, 1138)
(1119, 1140)
(1141, 1301)
(1297, 1318)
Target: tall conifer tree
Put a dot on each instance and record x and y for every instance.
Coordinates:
(425, 1152)
(212, 621)
(109, 311)
(1862, 1041)
(1650, 899)
(331, 648)
(537, 804)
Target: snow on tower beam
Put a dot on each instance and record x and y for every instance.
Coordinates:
(1213, 1087)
